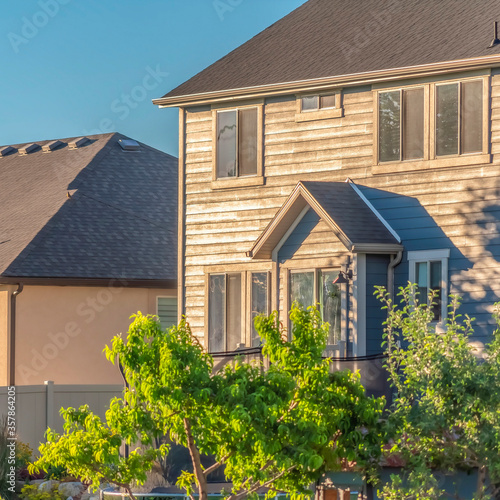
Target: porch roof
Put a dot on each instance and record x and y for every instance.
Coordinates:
(343, 207)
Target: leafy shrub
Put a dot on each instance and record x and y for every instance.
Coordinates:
(31, 492)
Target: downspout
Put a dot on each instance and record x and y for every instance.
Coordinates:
(12, 350)
(395, 260)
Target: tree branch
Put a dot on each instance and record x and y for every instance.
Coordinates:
(255, 486)
(195, 458)
(215, 466)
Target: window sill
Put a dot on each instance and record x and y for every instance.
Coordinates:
(443, 162)
(233, 182)
(322, 114)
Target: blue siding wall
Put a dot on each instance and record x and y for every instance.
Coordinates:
(469, 278)
(376, 275)
(299, 234)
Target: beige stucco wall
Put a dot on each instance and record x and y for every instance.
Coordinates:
(61, 331)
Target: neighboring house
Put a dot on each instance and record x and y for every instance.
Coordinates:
(87, 238)
(350, 139)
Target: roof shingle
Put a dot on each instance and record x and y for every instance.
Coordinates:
(327, 38)
(92, 212)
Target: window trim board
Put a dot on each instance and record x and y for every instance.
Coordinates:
(442, 255)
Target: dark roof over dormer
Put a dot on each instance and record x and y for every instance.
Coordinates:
(87, 209)
(345, 210)
(328, 38)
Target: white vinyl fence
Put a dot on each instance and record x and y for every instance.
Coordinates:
(36, 407)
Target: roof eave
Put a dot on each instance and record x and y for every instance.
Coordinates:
(317, 84)
(299, 197)
(91, 282)
(378, 248)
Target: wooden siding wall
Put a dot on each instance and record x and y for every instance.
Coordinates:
(452, 207)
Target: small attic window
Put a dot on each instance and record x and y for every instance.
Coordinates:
(319, 106)
(129, 145)
(316, 102)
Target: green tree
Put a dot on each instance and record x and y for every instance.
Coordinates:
(279, 427)
(445, 415)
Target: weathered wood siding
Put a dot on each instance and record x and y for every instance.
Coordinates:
(450, 207)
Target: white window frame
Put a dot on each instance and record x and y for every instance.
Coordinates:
(428, 256)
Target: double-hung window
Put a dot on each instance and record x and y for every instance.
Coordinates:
(401, 125)
(224, 314)
(316, 287)
(431, 122)
(234, 300)
(429, 271)
(459, 118)
(237, 146)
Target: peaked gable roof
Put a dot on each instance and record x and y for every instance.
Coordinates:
(341, 205)
(95, 212)
(328, 38)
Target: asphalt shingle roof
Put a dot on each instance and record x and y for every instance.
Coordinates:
(349, 212)
(120, 220)
(327, 38)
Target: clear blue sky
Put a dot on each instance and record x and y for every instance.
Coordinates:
(76, 67)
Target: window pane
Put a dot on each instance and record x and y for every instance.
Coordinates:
(435, 279)
(167, 311)
(233, 314)
(247, 145)
(310, 103)
(216, 312)
(413, 124)
(389, 127)
(329, 304)
(226, 144)
(302, 288)
(327, 101)
(472, 116)
(447, 119)
(259, 303)
(421, 280)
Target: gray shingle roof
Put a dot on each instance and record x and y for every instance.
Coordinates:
(348, 215)
(349, 212)
(120, 221)
(325, 38)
